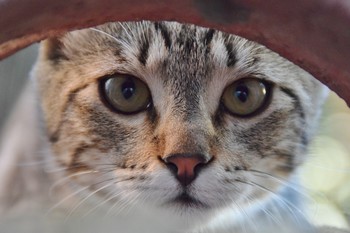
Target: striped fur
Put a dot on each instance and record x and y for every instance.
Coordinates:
(186, 69)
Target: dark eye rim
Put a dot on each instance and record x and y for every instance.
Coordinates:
(101, 84)
(268, 98)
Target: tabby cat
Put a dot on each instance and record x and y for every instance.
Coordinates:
(160, 127)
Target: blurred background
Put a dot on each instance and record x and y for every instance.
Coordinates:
(325, 175)
(14, 72)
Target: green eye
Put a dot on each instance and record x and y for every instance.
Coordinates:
(246, 96)
(126, 94)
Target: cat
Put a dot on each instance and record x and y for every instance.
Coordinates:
(161, 127)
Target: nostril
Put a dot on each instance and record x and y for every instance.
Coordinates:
(199, 167)
(172, 167)
(185, 166)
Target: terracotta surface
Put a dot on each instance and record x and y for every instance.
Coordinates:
(314, 34)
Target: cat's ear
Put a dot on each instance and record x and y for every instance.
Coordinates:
(53, 49)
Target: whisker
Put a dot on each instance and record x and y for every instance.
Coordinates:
(66, 198)
(108, 213)
(293, 186)
(130, 202)
(63, 180)
(126, 31)
(266, 211)
(100, 204)
(87, 197)
(242, 210)
(286, 202)
(112, 196)
(106, 34)
(124, 205)
(73, 194)
(60, 169)
(96, 191)
(119, 41)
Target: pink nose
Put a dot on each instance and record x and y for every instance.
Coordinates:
(185, 167)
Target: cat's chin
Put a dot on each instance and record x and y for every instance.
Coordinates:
(186, 202)
(183, 213)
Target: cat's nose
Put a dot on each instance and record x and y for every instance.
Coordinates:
(185, 166)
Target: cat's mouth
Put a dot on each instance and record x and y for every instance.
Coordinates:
(185, 200)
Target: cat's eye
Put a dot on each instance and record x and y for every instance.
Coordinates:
(125, 93)
(246, 97)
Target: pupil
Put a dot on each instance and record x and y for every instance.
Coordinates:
(242, 93)
(128, 89)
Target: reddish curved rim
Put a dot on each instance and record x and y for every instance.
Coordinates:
(315, 34)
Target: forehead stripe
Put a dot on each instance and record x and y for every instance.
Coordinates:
(164, 32)
(231, 54)
(144, 52)
(208, 37)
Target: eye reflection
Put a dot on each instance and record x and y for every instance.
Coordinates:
(246, 97)
(126, 94)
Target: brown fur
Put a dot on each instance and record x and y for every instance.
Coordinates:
(186, 68)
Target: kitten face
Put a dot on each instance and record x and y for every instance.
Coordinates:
(226, 160)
